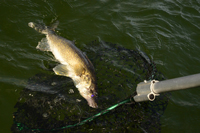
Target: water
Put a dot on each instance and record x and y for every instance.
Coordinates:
(167, 31)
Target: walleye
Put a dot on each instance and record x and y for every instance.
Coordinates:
(73, 63)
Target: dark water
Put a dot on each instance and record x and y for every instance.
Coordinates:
(167, 31)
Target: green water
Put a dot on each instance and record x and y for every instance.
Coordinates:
(167, 31)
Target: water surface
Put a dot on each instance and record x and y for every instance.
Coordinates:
(167, 31)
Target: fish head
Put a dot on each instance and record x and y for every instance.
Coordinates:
(87, 89)
(91, 98)
(90, 95)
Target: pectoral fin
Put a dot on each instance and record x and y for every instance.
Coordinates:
(61, 70)
(43, 45)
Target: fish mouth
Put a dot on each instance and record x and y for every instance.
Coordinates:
(92, 103)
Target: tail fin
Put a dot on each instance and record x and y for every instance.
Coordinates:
(38, 27)
(42, 28)
(54, 25)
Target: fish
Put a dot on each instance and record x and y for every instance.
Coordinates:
(73, 62)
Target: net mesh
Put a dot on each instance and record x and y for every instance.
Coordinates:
(50, 101)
